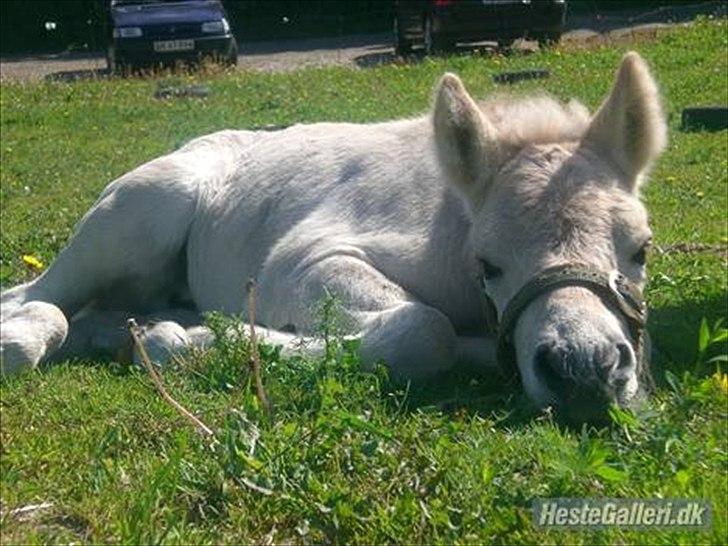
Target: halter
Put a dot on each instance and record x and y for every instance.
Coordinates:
(614, 289)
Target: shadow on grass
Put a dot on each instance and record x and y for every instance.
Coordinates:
(459, 393)
(674, 333)
(417, 55)
(143, 72)
(70, 76)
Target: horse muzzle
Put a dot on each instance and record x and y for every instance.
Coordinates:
(585, 377)
(583, 367)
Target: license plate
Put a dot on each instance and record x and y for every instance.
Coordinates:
(174, 45)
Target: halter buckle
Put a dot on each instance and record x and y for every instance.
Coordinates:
(631, 304)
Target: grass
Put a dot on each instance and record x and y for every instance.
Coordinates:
(348, 457)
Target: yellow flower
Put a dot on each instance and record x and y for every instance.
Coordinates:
(722, 380)
(32, 262)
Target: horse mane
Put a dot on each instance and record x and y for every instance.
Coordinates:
(536, 120)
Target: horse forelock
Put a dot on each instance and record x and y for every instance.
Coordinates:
(536, 120)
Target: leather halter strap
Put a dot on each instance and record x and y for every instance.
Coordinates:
(615, 290)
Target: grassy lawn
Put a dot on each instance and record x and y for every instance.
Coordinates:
(348, 457)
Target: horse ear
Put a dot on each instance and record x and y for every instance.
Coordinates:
(629, 126)
(464, 138)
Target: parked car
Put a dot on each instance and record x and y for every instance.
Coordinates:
(163, 32)
(440, 24)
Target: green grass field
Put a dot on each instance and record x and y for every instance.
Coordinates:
(348, 457)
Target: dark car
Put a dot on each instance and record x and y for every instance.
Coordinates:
(163, 32)
(440, 24)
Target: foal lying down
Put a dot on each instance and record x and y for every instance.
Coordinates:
(504, 232)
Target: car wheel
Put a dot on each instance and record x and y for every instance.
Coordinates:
(111, 64)
(504, 45)
(116, 66)
(433, 43)
(401, 46)
(232, 58)
(548, 39)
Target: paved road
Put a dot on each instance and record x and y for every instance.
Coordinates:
(360, 50)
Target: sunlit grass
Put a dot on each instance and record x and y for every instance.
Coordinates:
(348, 457)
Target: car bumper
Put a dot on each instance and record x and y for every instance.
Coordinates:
(141, 51)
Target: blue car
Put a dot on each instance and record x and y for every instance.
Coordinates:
(148, 33)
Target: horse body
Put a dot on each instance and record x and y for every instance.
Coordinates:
(325, 192)
(359, 210)
(402, 221)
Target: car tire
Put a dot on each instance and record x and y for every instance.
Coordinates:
(504, 45)
(401, 46)
(111, 64)
(232, 58)
(548, 39)
(434, 44)
(116, 66)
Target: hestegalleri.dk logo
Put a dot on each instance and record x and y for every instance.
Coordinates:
(571, 513)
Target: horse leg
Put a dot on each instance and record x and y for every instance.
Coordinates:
(96, 334)
(31, 331)
(104, 335)
(414, 339)
(167, 339)
(124, 252)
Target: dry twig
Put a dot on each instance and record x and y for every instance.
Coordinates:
(254, 356)
(28, 511)
(690, 247)
(157, 380)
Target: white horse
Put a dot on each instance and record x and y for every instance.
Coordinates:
(403, 221)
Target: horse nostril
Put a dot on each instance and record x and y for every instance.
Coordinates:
(626, 359)
(551, 364)
(548, 356)
(624, 366)
(613, 363)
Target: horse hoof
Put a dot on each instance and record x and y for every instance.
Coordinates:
(29, 334)
(162, 341)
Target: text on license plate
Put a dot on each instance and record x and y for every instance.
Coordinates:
(174, 45)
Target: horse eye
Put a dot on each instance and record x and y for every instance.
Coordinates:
(490, 271)
(640, 257)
